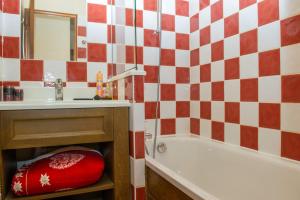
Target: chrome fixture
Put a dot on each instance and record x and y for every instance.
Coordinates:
(59, 96)
(148, 136)
(161, 147)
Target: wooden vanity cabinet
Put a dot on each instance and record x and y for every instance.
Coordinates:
(28, 133)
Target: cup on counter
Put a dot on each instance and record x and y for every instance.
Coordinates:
(18, 95)
(8, 93)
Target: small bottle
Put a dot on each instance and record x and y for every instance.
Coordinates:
(99, 84)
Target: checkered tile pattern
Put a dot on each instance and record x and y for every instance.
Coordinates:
(93, 56)
(245, 79)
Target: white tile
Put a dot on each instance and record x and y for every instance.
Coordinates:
(12, 25)
(217, 71)
(182, 126)
(120, 15)
(249, 66)
(290, 115)
(120, 34)
(167, 109)
(150, 21)
(230, 7)
(194, 7)
(137, 117)
(269, 36)
(290, 59)
(151, 56)
(120, 53)
(54, 70)
(195, 74)
(249, 113)
(139, 5)
(195, 109)
(194, 40)
(168, 40)
(205, 54)
(150, 126)
(182, 92)
(40, 84)
(232, 133)
(182, 24)
(248, 18)
(218, 111)
(11, 69)
(139, 36)
(232, 90)
(204, 17)
(96, 32)
(139, 172)
(182, 58)
(103, 2)
(205, 128)
(81, 42)
(269, 89)
(129, 32)
(167, 74)
(288, 8)
(129, 4)
(169, 7)
(150, 91)
(205, 91)
(121, 89)
(232, 47)
(217, 31)
(93, 68)
(269, 141)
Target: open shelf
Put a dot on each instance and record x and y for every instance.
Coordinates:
(104, 184)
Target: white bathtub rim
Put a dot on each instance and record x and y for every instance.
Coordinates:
(181, 183)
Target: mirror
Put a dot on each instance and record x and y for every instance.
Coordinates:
(50, 29)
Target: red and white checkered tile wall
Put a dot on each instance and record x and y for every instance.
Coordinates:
(245, 73)
(92, 57)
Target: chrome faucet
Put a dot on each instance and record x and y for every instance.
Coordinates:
(59, 96)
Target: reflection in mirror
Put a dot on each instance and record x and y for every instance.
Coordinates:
(49, 28)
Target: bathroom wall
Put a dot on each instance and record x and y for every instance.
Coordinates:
(245, 81)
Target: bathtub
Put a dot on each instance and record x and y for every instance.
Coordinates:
(208, 170)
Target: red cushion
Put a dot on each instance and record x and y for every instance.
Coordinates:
(61, 171)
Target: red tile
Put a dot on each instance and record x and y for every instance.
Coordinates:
(76, 71)
(290, 31)
(269, 63)
(131, 144)
(182, 41)
(90, 84)
(150, 5)
(129, 17)
(96, 52)
(1, 8)
(11, 83)
(290, 145)
(81, 52)
(195, 92)
(111, 70)
(217, 11)
(139, 89)
(129, 88)
(290, 87)
(11, 47)
(182, 109)
(168, 22)
(167, 92)
(168, 57)
(32, 70)
(111, 34)
(182, 8)
(246, 3)
(139, 18)
(269, 115)
(96, 13)
(194, 23)
(204, 4)
(232, 112)
(205, 73)
(268, 11)
(11, 6)
(232, 69)
(139, 55)
(205, 36)
(217, 131)
(168, 126)
(205, 110)
(139, 145)
(194, 57)
(140, 193)
(217, 91)
(248, 42)
(150, 110)
(249, 90)
(151, 74)
(249, 137)
(151, 38)
(129, 54)
(81, 31)
(195, 126)
(182, 75)
(217, 51)
(231, 25)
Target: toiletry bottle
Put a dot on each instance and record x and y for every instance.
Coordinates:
(99, 84)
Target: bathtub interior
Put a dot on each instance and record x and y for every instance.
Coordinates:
(230, 172)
